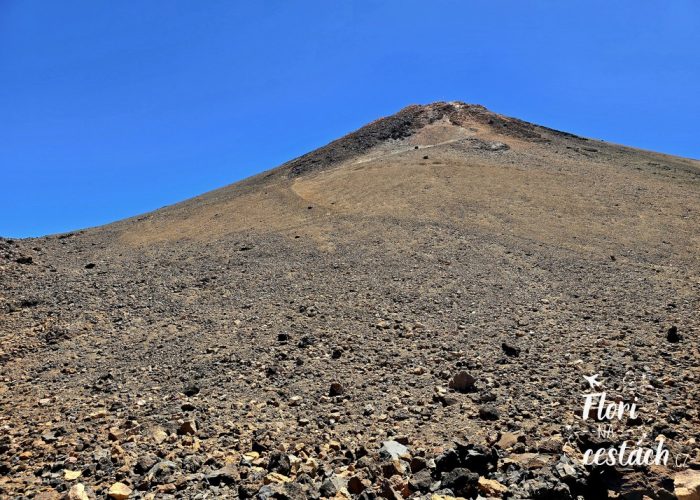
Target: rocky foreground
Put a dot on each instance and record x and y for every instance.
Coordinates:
(417, 310)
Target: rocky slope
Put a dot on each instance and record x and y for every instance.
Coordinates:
(409, 311)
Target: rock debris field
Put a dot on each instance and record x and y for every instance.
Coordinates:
(416, 310)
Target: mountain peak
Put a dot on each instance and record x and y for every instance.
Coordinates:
(409, 121)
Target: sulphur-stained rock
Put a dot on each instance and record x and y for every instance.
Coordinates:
(687, 484)
(119, 491)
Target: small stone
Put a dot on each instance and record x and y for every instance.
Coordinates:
(552, 446)
(392, 467)
(510, 350)
(145, 463)
(392, 450)
(71, 475)
(336, 389)
(488, 413)
(498, 146)
(119, 491)
(188, 427)
(328, 488)
(191, 390)
(528, 460)
(48, 495)
(276, 478)
(477, 458)
(421, 481)
(389, 492)
(49, 437)
(672, 335)
(507, 440)
(98, 415)
(565, 471)
(279, 462)
(162, 472)
(357, 485)
(77, 492)
(159, 435)
(115, 434)
(687, 484)
(461, 481)
(491, 488)
(418, 464)
(166, 489)
(462, 382)
(226, 475)
(400, 485)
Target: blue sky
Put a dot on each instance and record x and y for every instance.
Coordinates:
(111, 109)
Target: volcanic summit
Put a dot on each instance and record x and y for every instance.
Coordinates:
(408, 311)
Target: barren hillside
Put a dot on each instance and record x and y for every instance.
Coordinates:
(442, 279)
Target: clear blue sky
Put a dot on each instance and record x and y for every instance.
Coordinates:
(114, 108)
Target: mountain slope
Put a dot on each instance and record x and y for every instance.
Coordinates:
(387, 262)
